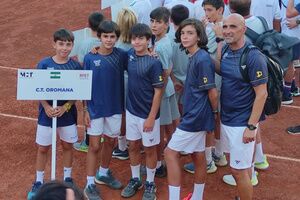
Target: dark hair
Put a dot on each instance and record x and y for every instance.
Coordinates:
(179, 13)
(108, 26)
(215, 3)
(200, 30)
(56, 190)
(63, 35)
(95, 19)
(140, 30)
(241, 7)
(160, 13)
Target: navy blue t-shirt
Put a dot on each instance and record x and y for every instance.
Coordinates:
(197, 110)
(107, 83)
(144, 74)
(237, 96)
(68, 118)
(297, 7)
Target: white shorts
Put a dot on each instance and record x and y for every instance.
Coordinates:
(109, 126)
(189, 142)
(134, 130)
(66, 133)
(241, 154)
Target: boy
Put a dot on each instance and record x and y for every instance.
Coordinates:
(84, 48)
(65, 112)
(213, 18)
(102, 114)
(145, 85)
(200, 106)
(169, 113)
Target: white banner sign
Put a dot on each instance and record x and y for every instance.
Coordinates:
(54, 84)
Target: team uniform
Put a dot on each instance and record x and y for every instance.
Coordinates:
(66, 124)
(106, 105)
(198, 117)
(237, 100)
(142, 9)
(168, 108)
(145, 74)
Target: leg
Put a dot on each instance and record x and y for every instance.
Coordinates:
(151, 161)
(200, 175)
(41, 160)
(92, 155)
(67, 158)
(135, 158)
(106, 151)
(244, 186)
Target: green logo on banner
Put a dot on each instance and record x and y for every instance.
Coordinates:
(55, 75)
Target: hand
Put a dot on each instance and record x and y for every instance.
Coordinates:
(87, 119)
(205, 21)
(291, 23)
(178, 87)
(59, 111)
(153, 54)
(249, 136)
(50, 112)
(95, 50)
(148, 125)
(217, 28)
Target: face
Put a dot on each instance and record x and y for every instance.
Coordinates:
(108, 40)
(139, 43)
(233, 30)
(158, 27)
(212, 13)
(63, 48)
(189, 37)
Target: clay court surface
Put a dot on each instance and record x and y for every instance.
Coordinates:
(26, 29)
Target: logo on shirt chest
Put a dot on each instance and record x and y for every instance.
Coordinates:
(160, 78)
(131, 58)
(97, 63)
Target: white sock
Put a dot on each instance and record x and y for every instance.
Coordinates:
(208, 155)
(122, 143)
(253, 171)
(67, 172)
(150, 174)
(174, 192)
(90, 180)
(259, 154)
(218, 149)
(40, 176)
(198, 192)
(135, 171)
(158, 164)
(103, 171)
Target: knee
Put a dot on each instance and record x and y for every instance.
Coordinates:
(238, 173)
(43, 149)
(67, 146)
(150, 151)
(169, 154)
(94, 147)
(109, 141)
(134, 147)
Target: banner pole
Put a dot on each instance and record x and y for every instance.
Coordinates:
(53, 154)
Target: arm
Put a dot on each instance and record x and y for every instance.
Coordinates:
(86, 114)
(258, 106)
(291, 11)
(277, 25)
(217, 61)
(213, 98)
(149, 122)
(177, 84)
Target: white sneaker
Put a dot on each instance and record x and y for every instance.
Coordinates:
(211, 167)
(229, 179)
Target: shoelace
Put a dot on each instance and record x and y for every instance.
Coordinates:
(149, 188)
(93, 189)
(132, 183)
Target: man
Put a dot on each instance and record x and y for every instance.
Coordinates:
(242, 102)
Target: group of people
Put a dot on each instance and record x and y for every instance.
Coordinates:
(166, 81)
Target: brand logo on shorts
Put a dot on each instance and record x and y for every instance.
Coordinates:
(97, 63)
(151, 140)
(237, 161)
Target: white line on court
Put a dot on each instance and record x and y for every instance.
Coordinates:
(9, 68)
(81, 126)
(289, 106)
(26, 118)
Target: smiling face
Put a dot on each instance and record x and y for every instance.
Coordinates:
(189, 37)
(108, 40)
(63, 48)
(140, 44)
(234, 29)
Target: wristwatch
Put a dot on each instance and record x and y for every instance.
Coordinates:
(298, 21)
(251, 127)
(218, 39)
